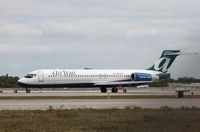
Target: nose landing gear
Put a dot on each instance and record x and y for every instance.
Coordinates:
(28, 90)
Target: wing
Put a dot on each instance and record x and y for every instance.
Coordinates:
(135, 83)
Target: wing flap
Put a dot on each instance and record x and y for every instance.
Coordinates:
(122, 83)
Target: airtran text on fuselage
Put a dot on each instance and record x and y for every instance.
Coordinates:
(63, 73)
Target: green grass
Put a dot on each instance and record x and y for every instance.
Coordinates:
(106, 120)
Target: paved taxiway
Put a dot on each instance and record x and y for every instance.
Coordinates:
(96, 92)
(95, 103)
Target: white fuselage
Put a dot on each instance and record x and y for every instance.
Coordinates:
(85, 78)
(100, 78)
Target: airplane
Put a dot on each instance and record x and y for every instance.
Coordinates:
(109, 78)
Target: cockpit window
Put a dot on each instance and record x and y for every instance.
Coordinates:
(30, 75)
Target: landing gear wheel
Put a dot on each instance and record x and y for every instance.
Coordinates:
(103, 89)
(28, 90)
(114, 90)
(124, 90)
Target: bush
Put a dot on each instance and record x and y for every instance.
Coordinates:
(8, 81)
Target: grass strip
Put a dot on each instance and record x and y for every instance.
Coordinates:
(104, 120)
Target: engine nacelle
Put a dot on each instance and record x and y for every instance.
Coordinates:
(141, 77)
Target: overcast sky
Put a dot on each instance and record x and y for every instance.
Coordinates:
(119, 34)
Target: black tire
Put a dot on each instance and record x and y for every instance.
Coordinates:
(114, 90)
(103, 89)
(28, 90)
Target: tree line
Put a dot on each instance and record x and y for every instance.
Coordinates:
(8, 81)
(185, 80)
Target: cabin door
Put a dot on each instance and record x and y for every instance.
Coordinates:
(40, 76)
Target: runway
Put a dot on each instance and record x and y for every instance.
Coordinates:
(40, 104)
(96, 92)
(96, 103)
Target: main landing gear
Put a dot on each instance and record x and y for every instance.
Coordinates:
(28, 90)
(113, 90)
(103, 89)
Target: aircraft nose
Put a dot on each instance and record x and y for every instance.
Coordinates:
(20, 83)
(19, 80)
